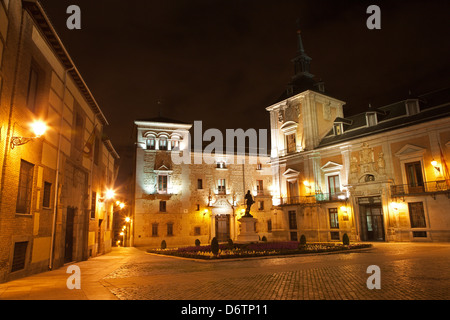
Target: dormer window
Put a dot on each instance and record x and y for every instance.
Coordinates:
(338, 129)
(412, 107)
(162, 183)
(371, 118)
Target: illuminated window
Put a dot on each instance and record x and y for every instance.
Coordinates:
(259, 187)
(338, 129)
(162, 143)
(334, 185)
(334, 219)
(222, 186)
(151, 144)
(221, 165)
(162, 183)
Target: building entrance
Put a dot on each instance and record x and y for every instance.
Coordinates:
(68, 250)
(222, 227)
(371, 219)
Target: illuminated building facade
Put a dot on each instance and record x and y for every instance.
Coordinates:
(183, 202)
(53, 205)
(380, 175)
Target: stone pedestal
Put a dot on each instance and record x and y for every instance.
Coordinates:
(247, 230)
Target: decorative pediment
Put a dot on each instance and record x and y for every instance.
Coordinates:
(289, 127)
(163, 170)
(291, 175)
(221, 203)
(331, 166)
(409, 151)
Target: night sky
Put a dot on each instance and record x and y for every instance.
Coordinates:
(224, 62)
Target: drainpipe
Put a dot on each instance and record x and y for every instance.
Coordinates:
(57, 186)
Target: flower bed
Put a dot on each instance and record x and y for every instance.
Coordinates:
(227, 251)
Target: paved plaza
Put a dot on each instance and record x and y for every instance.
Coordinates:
(418, 271)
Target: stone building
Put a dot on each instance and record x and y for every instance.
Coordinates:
(181, 201)
(53, 206)
(380, 175)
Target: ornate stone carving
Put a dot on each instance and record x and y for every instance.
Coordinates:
(381, 163)
(366, 158)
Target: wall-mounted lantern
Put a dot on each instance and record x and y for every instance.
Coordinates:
(37, 127)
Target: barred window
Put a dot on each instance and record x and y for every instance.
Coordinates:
(417, 215)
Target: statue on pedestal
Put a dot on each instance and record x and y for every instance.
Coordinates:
(248, 201)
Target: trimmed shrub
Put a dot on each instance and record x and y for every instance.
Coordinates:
(163, 244)
(215, 246)
(302, 240)
(197, 243)
(230, 244)
(345, 240)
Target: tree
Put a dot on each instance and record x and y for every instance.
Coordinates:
(302, 240)
(215, 246)
(345, 240)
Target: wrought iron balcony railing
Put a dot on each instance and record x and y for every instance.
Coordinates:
(429, 187)
(317, 198)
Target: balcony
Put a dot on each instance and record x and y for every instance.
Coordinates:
(426, 188)
(317, 198)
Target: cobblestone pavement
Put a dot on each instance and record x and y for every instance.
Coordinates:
(415, 271)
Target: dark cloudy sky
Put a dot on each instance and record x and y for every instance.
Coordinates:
(224, 61)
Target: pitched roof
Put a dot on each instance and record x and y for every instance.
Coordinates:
(433, 106)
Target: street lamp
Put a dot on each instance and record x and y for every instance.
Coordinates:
(37, 127)
(123, 238)
(110, 194)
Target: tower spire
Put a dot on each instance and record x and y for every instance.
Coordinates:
(302, 61)
(300, 48)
